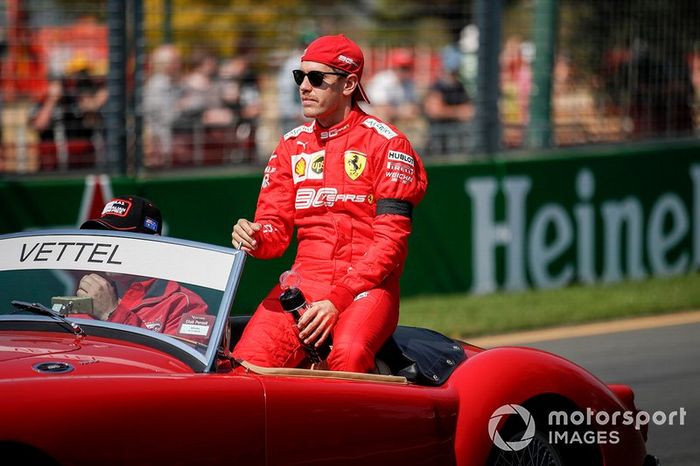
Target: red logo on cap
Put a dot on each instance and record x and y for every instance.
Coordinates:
(119, 208)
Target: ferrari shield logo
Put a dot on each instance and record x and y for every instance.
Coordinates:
(355, 163)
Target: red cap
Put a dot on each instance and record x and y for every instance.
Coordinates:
(341, 53)
(401, 58)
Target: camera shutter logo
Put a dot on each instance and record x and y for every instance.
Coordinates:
(507, 410)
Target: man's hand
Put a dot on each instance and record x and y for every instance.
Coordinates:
(243, 235)
(103, 294)
(317, 322)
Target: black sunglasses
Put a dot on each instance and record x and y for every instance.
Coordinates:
(315, 77)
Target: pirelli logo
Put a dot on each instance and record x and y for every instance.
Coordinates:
(396, 156)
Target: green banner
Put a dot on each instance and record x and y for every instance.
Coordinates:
(482, 227)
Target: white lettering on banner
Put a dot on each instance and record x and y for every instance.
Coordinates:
(585, 187)
(659, 243)
(626, 214)
(695, 176)
(541, 254)
(537, 247)
(307, 197)
(486, 234)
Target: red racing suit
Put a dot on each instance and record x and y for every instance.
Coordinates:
(350, 191)
(158, 305)
(162, 306)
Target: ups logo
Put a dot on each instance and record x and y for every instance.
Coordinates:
(317, 165)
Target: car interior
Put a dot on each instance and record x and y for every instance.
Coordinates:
(421, 356)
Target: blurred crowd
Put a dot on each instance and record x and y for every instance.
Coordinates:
(204, 109)
(208, 114)
(213, 111)
(207, 110)
(68, 119)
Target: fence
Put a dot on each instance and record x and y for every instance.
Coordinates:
(518, 224)
(129, 86)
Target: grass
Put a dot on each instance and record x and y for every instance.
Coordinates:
(463, 315)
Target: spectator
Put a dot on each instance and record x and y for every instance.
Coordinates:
(3, 49)
(448, 109)
(154, 304)
(161, 97)
(69, 119)
(393, 91)
(198, 96)
(239, 105)
(469, 46)
(661, 101)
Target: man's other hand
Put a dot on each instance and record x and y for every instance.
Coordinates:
(317, 322)
(103, 294)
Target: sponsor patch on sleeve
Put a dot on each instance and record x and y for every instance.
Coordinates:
(269, 170)
(396, 156)
(380, 128)
(298, 130)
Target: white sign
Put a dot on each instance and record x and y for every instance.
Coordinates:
(145, 257)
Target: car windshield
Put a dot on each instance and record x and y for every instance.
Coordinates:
(173, 290)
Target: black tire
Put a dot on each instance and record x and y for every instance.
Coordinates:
(539, 452)
(18, 454)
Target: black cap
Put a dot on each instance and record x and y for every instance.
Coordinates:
(128, 213)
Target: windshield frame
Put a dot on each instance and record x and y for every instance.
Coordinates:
(199, 362)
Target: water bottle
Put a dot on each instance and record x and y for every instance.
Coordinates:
(294, 302)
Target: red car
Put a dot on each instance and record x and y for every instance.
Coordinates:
(79, 390)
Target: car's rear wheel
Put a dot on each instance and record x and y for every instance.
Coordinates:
(539, 452)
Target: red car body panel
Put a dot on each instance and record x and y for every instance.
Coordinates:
(162, 412)
(516, 375)
(91, 356)
(338, 422)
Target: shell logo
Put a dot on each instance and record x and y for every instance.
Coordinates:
(300, 167)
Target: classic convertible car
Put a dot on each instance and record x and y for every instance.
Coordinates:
(79, 390)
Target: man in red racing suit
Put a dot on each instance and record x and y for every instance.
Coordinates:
(348, 182)
(157, 305)
(154, 304)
